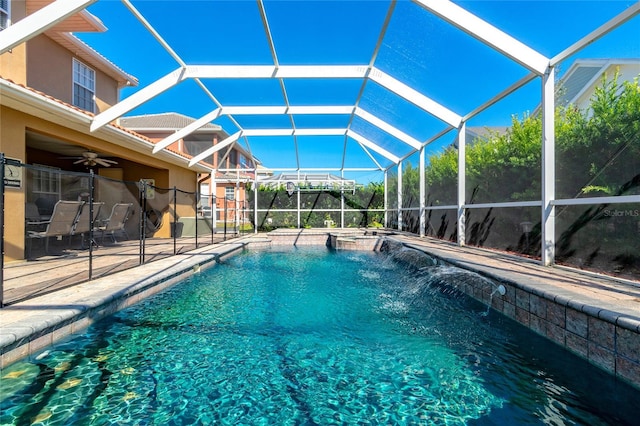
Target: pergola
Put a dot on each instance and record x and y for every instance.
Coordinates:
(371, 125)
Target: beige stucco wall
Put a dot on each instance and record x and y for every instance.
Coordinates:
(13, 125)
(50, 70)
(13, 63)
(12, 144)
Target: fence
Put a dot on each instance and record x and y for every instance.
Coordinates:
(61, 228)
(278, 208)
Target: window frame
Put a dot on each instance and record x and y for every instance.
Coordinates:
(5, 12)
(76, 83)
(226, 193)
(50, 175)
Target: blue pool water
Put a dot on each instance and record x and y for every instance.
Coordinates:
(311, 337)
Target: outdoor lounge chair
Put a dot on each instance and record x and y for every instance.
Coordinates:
(63, 219)
(32, 218)
(83, 224)
(116, 221)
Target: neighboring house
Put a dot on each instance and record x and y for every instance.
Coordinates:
(234, 166)
(577, 85)
(50, 88)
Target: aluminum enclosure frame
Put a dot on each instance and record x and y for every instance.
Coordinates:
(539, 66)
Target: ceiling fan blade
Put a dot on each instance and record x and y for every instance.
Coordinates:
(109, 161)
(101, 162)
(82, 160)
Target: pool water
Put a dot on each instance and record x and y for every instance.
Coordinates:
(310, 337)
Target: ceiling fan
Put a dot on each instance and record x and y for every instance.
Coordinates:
(90, 158)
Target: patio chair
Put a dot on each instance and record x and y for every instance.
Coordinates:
(116, 221)
(31, 213)
(84, 223)
(63, 219)
(32, 218)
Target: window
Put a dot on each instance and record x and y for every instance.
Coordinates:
(46, 182)
(229, 192)
(84, 86)
(4, 14)
(233, 159)
(245, 163)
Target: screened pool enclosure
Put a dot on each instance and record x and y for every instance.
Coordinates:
(507, 125)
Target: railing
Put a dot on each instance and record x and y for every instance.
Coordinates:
(82, 226)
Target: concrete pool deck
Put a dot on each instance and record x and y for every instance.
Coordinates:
(596, 317)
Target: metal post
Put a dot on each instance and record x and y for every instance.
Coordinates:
(91, 222)
(255, 203)
(196, 215)
(462, 165)
(214, 203)
(548, 168)
(342, 224)
(143, 218)
(299, 223)
(236, 216)
(422, 194)
(386, 199)
(225, 218)
(175, 221)
(2, 164)
(400, 196)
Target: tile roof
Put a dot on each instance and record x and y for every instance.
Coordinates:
(169, 120)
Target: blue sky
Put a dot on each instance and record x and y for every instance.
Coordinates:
(419, 49)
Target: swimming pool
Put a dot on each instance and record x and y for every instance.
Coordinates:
(311, 336)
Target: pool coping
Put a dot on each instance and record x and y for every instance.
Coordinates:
(28, 327)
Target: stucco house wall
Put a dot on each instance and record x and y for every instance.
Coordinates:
(50, 70)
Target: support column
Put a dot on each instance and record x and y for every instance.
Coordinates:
(342, 224)
(255, 202)
(386, 199)
(400, 196)
(422, 194)
(298, 186)
(548, 168)
(214, 201)
(237, 205)
(462, 187)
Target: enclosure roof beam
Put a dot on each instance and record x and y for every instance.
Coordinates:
(135, 100)
(415, 97)
(223, 71)
(292, 110)
(371, 145)
(414, 143)
(487, 33)
(506, 92)
(187, 130)
(294, 132)
(39, 21)
(270, 71)
(223, 144)
(153, 32)
(609, 26)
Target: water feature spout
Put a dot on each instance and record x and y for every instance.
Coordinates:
(499, 289)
